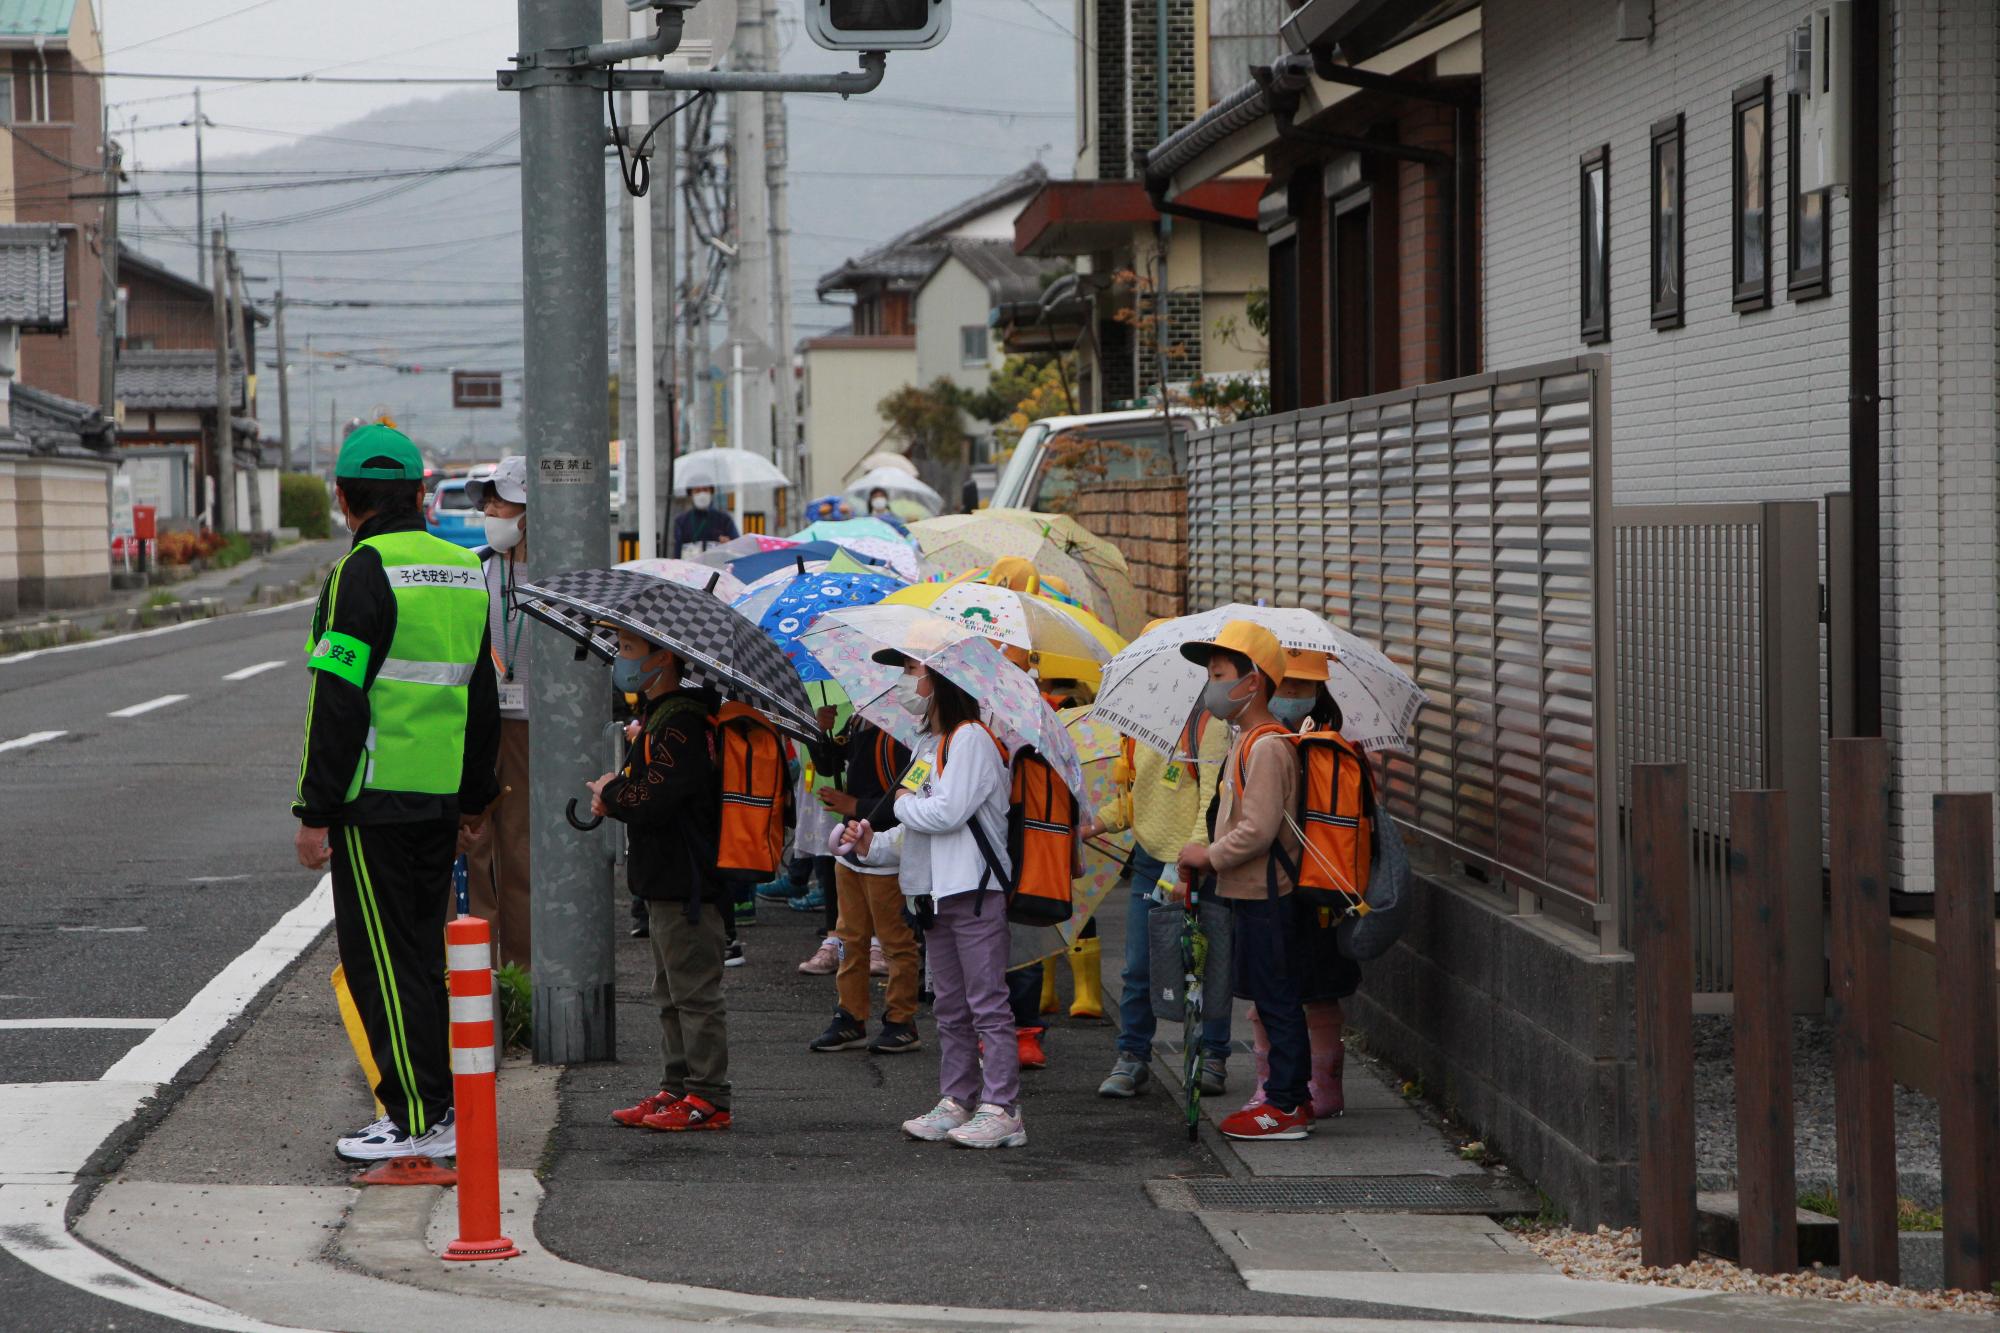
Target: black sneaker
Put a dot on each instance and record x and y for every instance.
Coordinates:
(732, 954)
(642, 931)
(896, 1038)
(844, 1033)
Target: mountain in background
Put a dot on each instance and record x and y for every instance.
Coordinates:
(449, 246)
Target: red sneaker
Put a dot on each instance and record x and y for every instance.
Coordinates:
(689, 1112)
(1268, 1122)
(1028, 1042)
(653, 1105)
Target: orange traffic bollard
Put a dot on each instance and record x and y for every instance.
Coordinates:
(469, 957)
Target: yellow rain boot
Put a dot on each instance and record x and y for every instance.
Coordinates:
(1084, 959)
(1049, 1003)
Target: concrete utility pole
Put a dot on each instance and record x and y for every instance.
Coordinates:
(666, 439)
(107, 305)
(564, 419)
(642, 444)
(225, 444)
(200, 191)
(777, 154)
(628, 363)
(751, 327)
(242, 337)
(284, 368)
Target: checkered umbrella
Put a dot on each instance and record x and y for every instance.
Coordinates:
(718, 646)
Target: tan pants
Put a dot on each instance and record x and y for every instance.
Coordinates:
(687, 987)
(873, 905)
(497, 869)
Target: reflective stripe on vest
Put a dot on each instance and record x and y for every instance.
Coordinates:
(417, 701)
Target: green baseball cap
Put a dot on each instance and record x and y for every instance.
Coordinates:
(363, 453)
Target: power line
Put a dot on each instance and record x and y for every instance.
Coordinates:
(258, 4)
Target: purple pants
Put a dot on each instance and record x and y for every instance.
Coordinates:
(968, 959)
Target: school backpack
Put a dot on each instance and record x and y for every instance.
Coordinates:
(1334, 818)
(751, 757)
(1041, 837)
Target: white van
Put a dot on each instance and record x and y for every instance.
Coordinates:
(1056, 454)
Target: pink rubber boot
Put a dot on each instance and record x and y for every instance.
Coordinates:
(1260, 1045)
(1329, 1056)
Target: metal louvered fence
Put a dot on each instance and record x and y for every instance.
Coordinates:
(1463, 527)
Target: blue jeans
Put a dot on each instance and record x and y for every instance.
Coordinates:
(1024, 995)
(1260, 931)
(1136, 1024)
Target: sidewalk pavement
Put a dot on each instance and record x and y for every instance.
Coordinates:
(236, 587)
(814, 1212)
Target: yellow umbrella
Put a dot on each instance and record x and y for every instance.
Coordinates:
(1102, 564)
(1067, 642)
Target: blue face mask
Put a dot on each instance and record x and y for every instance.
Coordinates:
(1291, 712)
(629, 675)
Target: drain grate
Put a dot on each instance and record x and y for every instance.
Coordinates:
(1359, 1194)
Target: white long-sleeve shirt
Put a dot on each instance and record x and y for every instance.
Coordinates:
(939, 855)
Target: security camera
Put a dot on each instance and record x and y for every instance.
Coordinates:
(877, 25)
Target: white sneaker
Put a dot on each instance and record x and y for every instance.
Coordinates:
(441, 1140)
(938, 1123)
(993, 1127)
(377, 1143)
(878, 962)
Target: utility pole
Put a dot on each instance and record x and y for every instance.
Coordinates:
(642, 442)
(284, 369)
(225, 444)
(564, 416)
(628, 363)
(107, 304)
(200, 191)
(665, 437)
(750, 324)
(777, 139)
(242, 337)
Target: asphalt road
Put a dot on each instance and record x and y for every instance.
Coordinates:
(141, 850)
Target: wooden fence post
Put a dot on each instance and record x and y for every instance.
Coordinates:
(1663, 948)
(1858, 1006)
(1969, 1082)
(1766, 1186)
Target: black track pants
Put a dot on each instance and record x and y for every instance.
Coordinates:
(391, 889)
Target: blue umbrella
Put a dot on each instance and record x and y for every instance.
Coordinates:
(828, 507)
(750, 568)
(803, 600)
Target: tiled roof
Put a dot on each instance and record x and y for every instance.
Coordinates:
(912, 256)
(51, 421)
(1008, 276)
(157, 379)
(35, 18)
(131, 262)
(33, 292)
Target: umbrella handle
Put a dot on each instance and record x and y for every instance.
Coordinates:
(569, 813)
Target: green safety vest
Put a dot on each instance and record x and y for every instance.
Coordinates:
(417, 703)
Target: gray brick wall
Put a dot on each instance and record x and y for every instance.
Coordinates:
(1753, 406)
(1114, 147)
(1142, 97)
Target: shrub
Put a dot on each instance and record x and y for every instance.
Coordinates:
(517, 1005)
(303, 504)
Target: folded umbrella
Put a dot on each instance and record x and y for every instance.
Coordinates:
(1150, 689)
(717, 646)
(845, 643)
(689, 574)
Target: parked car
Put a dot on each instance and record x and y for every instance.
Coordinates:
(450, 515)
(1056, 454)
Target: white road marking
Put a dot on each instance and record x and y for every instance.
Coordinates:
(149, 633)
(132, 1024)
(102, 930)
(32, 738)
(256, 670)
(216, 879)
(51, 1129)
(148, 706)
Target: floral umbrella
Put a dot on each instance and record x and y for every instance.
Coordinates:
(847, 529)
(1018, 619)
(1098, 748)
(750, 543)
(960, 543)
(1150, 689)
(690, 574)
(897, 555)
(846, 641)
(1103, 564)
(790, 608)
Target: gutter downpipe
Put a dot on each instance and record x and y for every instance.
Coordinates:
(1163, 230)
(1864, 374)
(1246, 106)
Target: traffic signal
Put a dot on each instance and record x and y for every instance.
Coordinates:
(877, 25)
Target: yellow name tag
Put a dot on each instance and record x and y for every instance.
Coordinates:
(1171, 777)
(919, 774)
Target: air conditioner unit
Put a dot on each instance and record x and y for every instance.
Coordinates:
(1823, 72)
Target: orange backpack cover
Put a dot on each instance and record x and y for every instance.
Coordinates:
(1335, 815)
(752, 836)
(1041, 837)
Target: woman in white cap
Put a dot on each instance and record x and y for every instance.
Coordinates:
(497, 860)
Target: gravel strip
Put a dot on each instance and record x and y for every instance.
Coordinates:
(1812, 1100)
(1613, 1256)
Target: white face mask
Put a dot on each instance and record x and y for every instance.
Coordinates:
(702, 499)
(503, 534)
(878, 505)
(907, 698)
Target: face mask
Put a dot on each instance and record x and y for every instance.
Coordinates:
(1291, 712)
(503, 534)
(878, 505)
(630, 675)
(1215, 697)
(703, 499)
(907, 698)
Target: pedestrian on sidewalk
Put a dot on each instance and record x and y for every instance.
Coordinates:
(497, 859)
(958, 775)
(1325, 975)
(669, 797)
(402, 731)
(702, 525)
(1258, 787)
(871, 925)
(1163, 799)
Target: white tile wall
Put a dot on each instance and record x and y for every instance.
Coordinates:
(1753, 406)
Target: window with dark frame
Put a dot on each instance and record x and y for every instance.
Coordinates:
(1669, 223)
(1750, 197)
(1281, 236)
(1594, 266)
(1350, 271)
(1809, 222)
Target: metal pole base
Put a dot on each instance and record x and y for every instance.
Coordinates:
(460, 1251)
(575, 1024)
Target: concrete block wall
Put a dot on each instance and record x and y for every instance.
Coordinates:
(63, 513)
(1147, 522)
(10, 541)
(1753, 406)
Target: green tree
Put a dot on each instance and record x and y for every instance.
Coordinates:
(930, 423)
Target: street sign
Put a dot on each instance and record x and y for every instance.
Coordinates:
(475, 388)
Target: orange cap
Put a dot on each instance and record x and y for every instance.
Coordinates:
(1248, 638)
(1305, 664)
